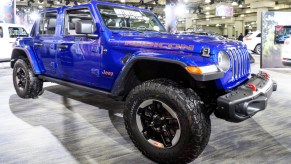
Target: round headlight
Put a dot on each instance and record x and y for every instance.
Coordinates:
(223, 61)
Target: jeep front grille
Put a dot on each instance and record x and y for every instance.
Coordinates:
(239, 62)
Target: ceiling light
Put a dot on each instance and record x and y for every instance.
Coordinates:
(207, 13)
(181, 10)
(276, 7)
(242, 15)
(223, 17)
(186, 1)
(208, 19)
(240, 6)
(218, 25)
(207, 25)
(34, 16)
(207, 1)
(123, 1)
(234, 3)
(248, 11)
(207, 8)
(40, 6)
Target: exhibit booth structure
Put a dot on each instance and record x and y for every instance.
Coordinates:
(276, 28)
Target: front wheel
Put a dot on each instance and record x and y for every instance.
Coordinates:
(258, 49)
(26, 84)
(166, 121)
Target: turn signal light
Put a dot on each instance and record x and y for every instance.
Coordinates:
(194, 70)
(248, 38)
(253, 87)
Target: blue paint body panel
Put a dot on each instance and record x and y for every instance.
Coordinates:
(85, 62)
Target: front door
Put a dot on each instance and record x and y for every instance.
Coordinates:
(78, 56)
(45, 42)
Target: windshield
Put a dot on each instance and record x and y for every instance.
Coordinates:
(117, 18)
(15, 32)
(249, 34)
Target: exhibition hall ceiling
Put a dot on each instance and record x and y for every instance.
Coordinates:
(203, 11)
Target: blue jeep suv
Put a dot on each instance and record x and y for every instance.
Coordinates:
(171, 84)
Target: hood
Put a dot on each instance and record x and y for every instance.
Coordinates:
(186, 43)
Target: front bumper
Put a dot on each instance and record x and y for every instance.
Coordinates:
(247, 99)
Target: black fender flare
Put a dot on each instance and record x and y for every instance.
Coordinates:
(118, 88)
(29, 55)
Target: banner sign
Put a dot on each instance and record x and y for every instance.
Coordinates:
(224, 11)
(7, 11)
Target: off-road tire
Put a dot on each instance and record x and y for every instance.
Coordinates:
(258, 49)
(33, 86)
(195, 124)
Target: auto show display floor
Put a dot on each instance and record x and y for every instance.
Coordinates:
(65, 125)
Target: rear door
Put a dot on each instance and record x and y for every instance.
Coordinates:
(45, 42)
(79, 55)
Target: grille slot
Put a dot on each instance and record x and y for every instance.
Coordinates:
(239, 62)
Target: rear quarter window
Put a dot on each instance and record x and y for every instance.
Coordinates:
(15, 32)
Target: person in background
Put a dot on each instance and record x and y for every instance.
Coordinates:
(240, 37)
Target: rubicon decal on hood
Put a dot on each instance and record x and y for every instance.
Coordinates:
(172, 46)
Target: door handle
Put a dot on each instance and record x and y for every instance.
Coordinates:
(37, 44)
(62, 46)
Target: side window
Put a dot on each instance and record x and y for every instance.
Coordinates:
(15, 32)
(47, 23)
(78, 21)
(1, 32)
(259, 35)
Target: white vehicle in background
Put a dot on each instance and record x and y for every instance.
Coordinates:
(253, 41)
(286, 52)
(8, 35)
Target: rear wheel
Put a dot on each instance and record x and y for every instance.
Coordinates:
(26, 84)
(166, 121)
(258, 49)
